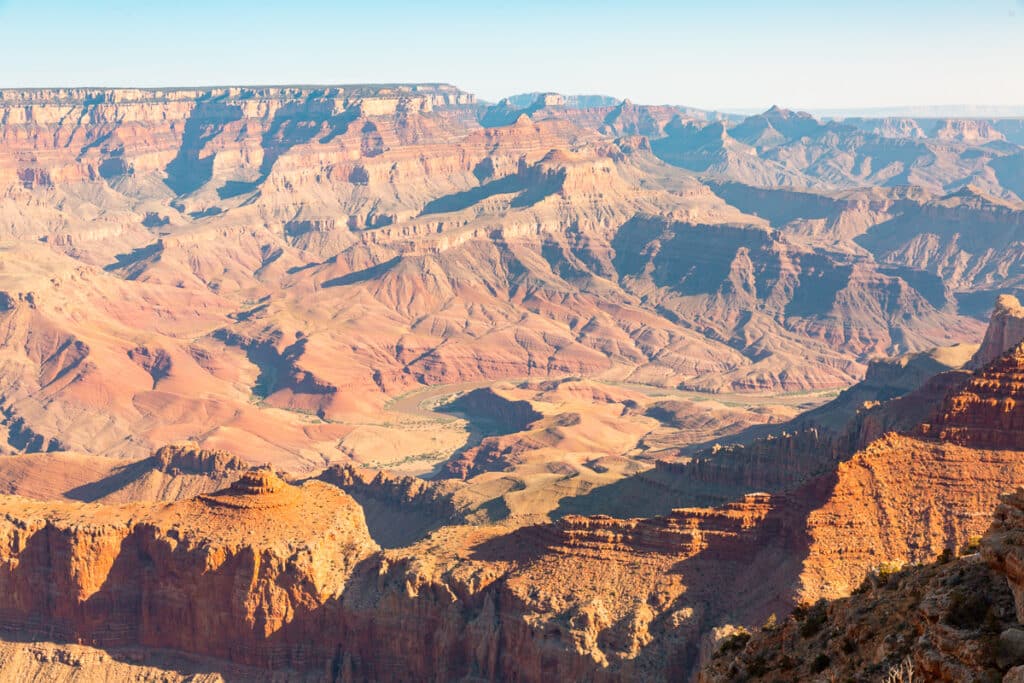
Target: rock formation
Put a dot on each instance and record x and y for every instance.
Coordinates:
(304, 254)
(948, 622)
(1005, 331)
(951, 620)
(1001, 545)
(984, 411)
(302, 276)
(400, 510)
(270, 575)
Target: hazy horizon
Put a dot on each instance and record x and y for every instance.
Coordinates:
(737, 56)
(910, 111)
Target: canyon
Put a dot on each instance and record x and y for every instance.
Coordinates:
(266, 269)
(385, 383)
(252, 576)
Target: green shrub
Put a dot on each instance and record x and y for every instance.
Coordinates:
(815, 618)
(972, 546)
(887, 570)
(733, 643)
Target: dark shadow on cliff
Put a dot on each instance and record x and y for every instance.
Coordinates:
(688, 258)
(296, 123)
(650, 493)
(778, 206)
(365, 275)
(117, 480)
(399, 510)
(463, 200)
(521, 546)
(112, 618)
(736, 578)
(527, 195)
(278, 369)
(139, 255)
(487, 415)
(742, 579)
(190, 169)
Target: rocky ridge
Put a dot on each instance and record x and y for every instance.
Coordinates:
(952, 620)
(588, 597)
(259, 572)
(372, 240)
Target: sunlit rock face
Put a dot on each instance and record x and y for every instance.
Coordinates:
(320, 251)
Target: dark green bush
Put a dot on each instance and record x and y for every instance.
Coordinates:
(815, 618)
(733, 643)
(972, 546)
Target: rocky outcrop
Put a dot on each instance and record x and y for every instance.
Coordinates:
(986, 411)
(967, 130)
(216, 575)
(954, 620)
(1003, 545)
(399, 510)
(948, 622)
(74, 663)
(902, 499)
(1005, 331)
(271, 575)
(188, 459)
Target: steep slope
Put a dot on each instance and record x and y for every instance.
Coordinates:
(260, 573)
(1005, 330)
(944, 622)
(954, 620)
(171, 473)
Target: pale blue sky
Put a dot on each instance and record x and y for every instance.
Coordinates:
(731, 54)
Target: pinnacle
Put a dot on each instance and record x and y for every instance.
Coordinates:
(257, 488)
(257, 482)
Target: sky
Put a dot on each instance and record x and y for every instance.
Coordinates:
(738, 55)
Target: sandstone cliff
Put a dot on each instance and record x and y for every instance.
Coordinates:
(1005, 331)
(269, 575)
(947, 622)
(954, 620)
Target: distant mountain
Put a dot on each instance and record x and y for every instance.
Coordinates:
(949, 111)
(524, 100)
